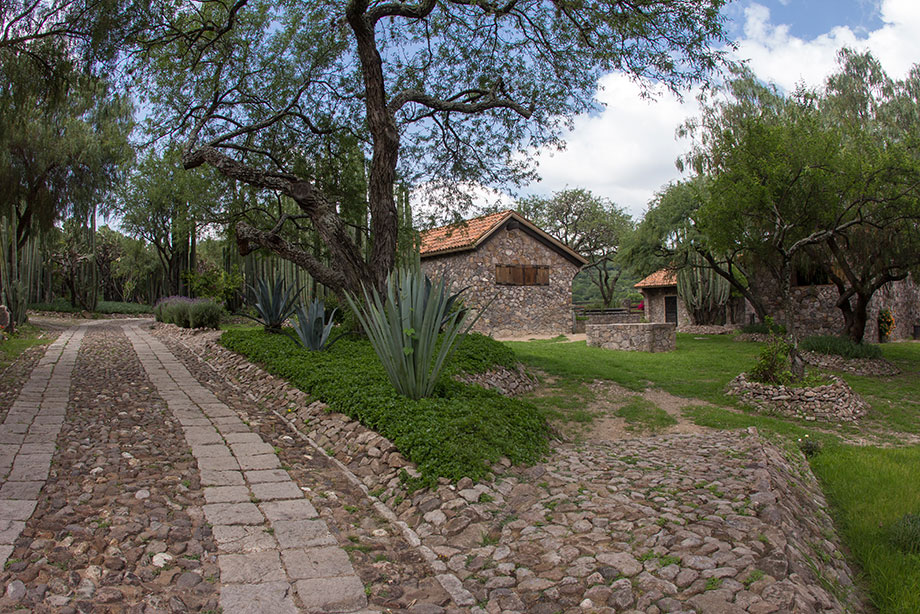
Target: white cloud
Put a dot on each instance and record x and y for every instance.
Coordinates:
(627, 152)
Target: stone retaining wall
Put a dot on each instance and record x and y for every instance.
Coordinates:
(834, 402)
(856, 366)
(653, 337)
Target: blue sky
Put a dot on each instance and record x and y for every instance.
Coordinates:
(626, 153)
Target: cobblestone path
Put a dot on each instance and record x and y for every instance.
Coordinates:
(269, 538)
(28, 434)
(126, 486)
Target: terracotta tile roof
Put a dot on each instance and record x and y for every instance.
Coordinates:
(659, 279)
(460, 235)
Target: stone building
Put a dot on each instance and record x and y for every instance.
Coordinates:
(816, 310)
(659, 293)
(506, 259)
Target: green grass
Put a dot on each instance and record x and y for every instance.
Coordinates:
(26, 336)
(642, 415)
(869, 490)
(699, 367)
(895, 400)
(458, 432)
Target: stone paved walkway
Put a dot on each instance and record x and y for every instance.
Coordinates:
(28, 435)
(273, 550)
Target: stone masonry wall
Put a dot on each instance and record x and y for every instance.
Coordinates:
(515, 310)
(817, 314)
(655, 337)
(654, 305)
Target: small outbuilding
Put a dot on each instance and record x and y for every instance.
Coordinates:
(659, 293)
(506, 259)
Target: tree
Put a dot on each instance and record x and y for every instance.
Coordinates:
(592, 226)
(443, 94)
(165, 206)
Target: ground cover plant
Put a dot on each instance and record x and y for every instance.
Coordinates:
(458, 431)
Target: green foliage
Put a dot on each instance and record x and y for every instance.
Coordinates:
(703, 291)
(642, 415)
(905, 533)
(839, 346)
(869, 490)
(312, 328)
(478, 353)
(62, 305)
(456, 432)
(763, 328)
(210, 281)
(188, 313)
(773, 363)
(808, 446)
(274, 305)
(405, 328)
(204, 314)
(885, 323)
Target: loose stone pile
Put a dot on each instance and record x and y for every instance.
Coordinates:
(834, 402)
(707, 329)
(710, 523)
(857, 366)
(509, 382)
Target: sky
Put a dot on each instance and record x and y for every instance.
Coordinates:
(627, 152)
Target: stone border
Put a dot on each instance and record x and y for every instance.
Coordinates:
(509, 382)
(834, 402)
(642, 337)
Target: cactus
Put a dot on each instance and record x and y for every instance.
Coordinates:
(12, 291)
(704, 292)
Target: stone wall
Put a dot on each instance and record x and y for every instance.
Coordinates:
(515, 310)
(834, 402)
(655, 337)
(654, 305)
(816, 313)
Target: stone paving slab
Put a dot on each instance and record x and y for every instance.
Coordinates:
(28, 434)
(238, 468)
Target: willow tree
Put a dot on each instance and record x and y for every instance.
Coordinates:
(440, 93)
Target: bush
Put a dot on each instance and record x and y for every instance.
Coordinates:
(773, 363)
(188, 313)
(905, 534)
(456, 432)
(840, 346)
(478, 353)
(120, 307)
(763, 328)
(204, 313)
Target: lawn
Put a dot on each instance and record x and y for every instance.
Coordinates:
(699, 368)
(26, 336)
(869, 489)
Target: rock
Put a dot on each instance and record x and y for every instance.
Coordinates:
(625, 563)
(142, 494)
(16, 591)
(161, 559)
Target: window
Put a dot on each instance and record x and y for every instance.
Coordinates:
(522, 275)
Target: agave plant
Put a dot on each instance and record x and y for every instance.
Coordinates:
(312, 328)
(274, 305)
(404, 328)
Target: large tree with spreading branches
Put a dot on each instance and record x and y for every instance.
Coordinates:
(439, 93)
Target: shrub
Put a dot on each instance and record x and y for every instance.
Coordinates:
(478, 353)
(204, 313)
(808, 446)
(456, 432)
(764, 328)
(773, 363)
(885, 324)
(312, 328)
(121, 307)
(404, 327)
(840, 346)
(177, 312)
(905, 533)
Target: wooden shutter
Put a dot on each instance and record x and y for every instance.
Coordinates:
(517, 275)
(542, 276)
(530, 275)
(502, 274)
